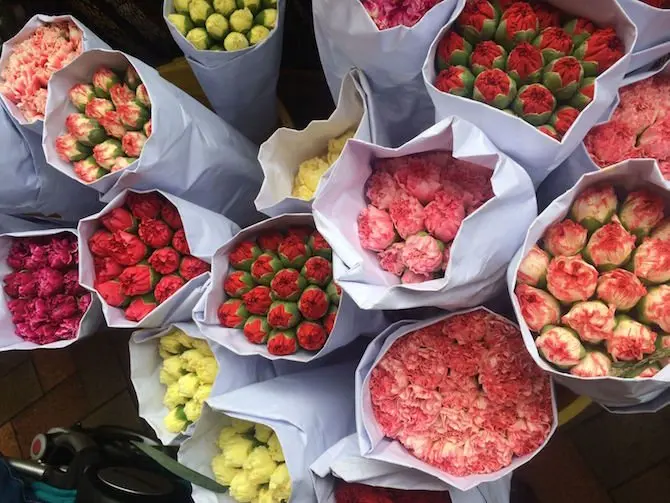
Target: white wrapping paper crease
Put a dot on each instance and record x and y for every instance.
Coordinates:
(347, 37)
(281, 155)
(190, 150)
(349, 323)
(497, 227)
(609, 391)
(89, 41)
(309, 411)
(653, 24)
(205, 232)
(538, 153)
(344, 461)
(240, 85)
(9, 341)
(374, 445)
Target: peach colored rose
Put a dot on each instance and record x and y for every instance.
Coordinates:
(375, 229)
(620, 288)
(594, 206)
(609, 246)
(533, 268)
(593, 321)
(570, 279)
(407, 214)
(651, 261)
(560, 346)
(594, 364)
(422, 254)
(564, 238)
(641, 211)
(538, 307)
(631, 340)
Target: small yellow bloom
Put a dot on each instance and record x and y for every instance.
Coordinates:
(204, 390)
(227, 437)
(336, 145)
(223, 474)
(166, 378)
(311, 171)
(172, 366)
(240, 425)
(189, 359)
(259, 465)
(280, 482)
(175, 421)
(302, 192)
(203, 347)
(170, 343)
(183, 338)
(163, 354)
(262, 433)
(188, 385)
(266, 496)
(242, 489)
(236, 452)
(192, 410)
(206, 368)
(172, 397)
(275, 448)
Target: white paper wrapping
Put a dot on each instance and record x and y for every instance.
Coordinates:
(347, 37)
(349, 323)
(9, 341)
(190, 151)
(538, 153)
(89, 41)
(653, 24)
(497, 227)
(309, 411)
(240, 85)
(205, 232)
(608, 391)
(374, 445)
(281, 155)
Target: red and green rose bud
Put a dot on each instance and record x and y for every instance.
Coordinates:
(494, 87)
(133, 115)
(287, 284)
(98, 107)
(548, 16)
(565, 238)
(534, 103)
(641, 211)
(106, 153)
(69, 149)
(138, 279)
(563, 77)
(180, 243)
(170, 215)
(143, 96)
(191, 267)
(549, 131)
(146, 205)
(478, 20)
(165, 261)
(282, 342)
(133, 143)
(594, 206)
(257, 329)
(553, 43)
(317, 271)
(238, 283)
(302, 232)
(560, 346)
(120, 94)
(232, 313)
(592, 320)
(487, 55)
(334, 293)
(112, 293)
(270, 240)
(100, 243)
(155, 233)
(265, 267)
(630, 340)
(119, 219)
(525, 63)
(609, 246)
(655, 307)
(579, 29)
(311, 336)
(122, 163)
(111, 122)
(600, 51)
(453, 49)
(128, 249)
(621, 289)
(456, 80)
(106, 268)
(517, 24)
(147, 128)
(132, 78)
(320, 246)
(88, 170)
(533, 268)
(167, 287)
(594, 364)
(313, 303)
(330, 318)
(80, 95)
(258, 300)
(662, 230)
(538, 307)
(651, 261)
(140, 307)
(571, 279)
(283, 315)
(294, 252)
(584, 95)
(103, 80)
(244, 254)
(85, 130)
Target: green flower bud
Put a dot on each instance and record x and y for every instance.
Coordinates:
(181, 6)
(235, 42)
(253, 5)
(257, 34)
(269, 4)
(267, 18)
(217, 26)
(199, 38)
(181, 22)
(216, 47)
(241, 20)
(199, 10)
(225, 7)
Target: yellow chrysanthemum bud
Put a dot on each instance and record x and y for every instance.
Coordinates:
(163, 354)
(336, 145)
(203, 347)
(203, 392)
(311, 171)
(172, 366)
(190, 358)
(172, 397)
(206, 368)
(275, 448)
(193, 409)
(223, 474)
(262, 433)
(280, 482)
(242, 489)
(170, 343)
(237, 451)
(228, 436)
(166, 378)
(240, 425)
(259, 465)
(175, 421)
(184, 339)
(266, 496)
(188, 385)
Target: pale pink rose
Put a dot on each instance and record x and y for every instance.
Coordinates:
(593, 321)
(594, 364)
(651, 261)
(381, 189)
(375, 229)
(641, 211)
(538, 307)
(422, 254)
(565, 238)
(610, 246)
(391, 259)
(620, 288)
(409, 277)
(631, 340)
(570, 279)
(533, 268)
(407, 214)
(443, 218)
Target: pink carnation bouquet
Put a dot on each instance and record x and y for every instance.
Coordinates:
(391, 13)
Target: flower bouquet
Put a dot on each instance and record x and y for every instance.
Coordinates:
(43, 303)
(147, 256)
(346, 492)
(590, 286)
(295, 161)
(651, 17)
(541, 63)
(462, 180)
(455, 397)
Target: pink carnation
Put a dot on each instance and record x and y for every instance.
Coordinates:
(407, 214)
(409, 277)
(391, 259)
(422, 254)
(444, 217)
(381, 189)
(375, 229)
(655, 141)
(611, 143)
(420, 178)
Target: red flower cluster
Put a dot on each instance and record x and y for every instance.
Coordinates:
(390, 13)
(44, 295)
(346, 492)
(424, 199)
(281, 291)
(141, 255)
(659, 4)
(463, 394)
(639, 127)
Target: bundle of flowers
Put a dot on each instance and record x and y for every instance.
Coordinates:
(529, 59)
(639, 126)
(251, 463)
(390, 13)
(224, 25)
(141, 255)
(346, 492)
(42, 292)
(462, 394)
(595, 291)
(31, 63)
(111, 126)
(416, 205)
(659, 4)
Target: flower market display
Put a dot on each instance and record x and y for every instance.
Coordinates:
(639, 127)
(346, 492)
(28, 70)
(224, 25)
(42, 293)
(529, 59)
(141, 255)
(251, 463)
(309, 174)
(281, 292)
(188, 372)
(463, 395)
(111, 125)
(391, 13)
(416, 205)
(596, 290)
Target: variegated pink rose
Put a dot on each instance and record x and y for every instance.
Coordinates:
(651, 261)
(620, 288)
(112, 124)
(655, 307)
(565, 238)
(641, 211)
(593, 321)
(133, 143)
(443, 218)
(538, 307)
(631, 340)
(610, 246)
(98, 107)
(533, 268)
(422, 253)
(594, 364)
(80, 95)
(571, 279)
(391, 259)
(375, 229)
(407, 214)
(560, 346)
(381, 189)
(120, 94)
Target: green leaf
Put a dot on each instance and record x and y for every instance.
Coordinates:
(630, 370)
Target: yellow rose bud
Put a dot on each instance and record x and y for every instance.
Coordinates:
(266, 496)
(184, 339)
(275, 448)
(259, 465)
(206, 368)
(237, 451)
(163, 354)
(170, 343)
(172, 396)
(166, 378)
(227, 437)
(240, 425)
(222, 473)
(203, 347)
(262, 433)
(172, 366)
(189, 359)
(192, 410)
(188, 385)
(280, 482)
(242, 489)
(203, 392)
(175, 421)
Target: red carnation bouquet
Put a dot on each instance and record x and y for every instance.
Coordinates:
(346, 492)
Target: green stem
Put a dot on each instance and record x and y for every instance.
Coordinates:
(630, 369)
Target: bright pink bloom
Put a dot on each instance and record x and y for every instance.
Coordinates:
(375, 229)
(422, 254)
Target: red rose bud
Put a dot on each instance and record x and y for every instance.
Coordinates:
(111, 122)
(179, 242)
(69, 149)
(303, 233)
(232, 313)
(122, 163)
(170, 214)
(106, 153)
(452, 50)
(478, 20)
(88, 170)
(192, 267)
(593, 321)
(334, 293)
(283, 315)
(133, 143)
(594, 364)
(311, 336)
(103, 80)
(631, 340)
(560, 346)
(655, 307)
(287, 284)
(133, 115)
(600, 51)
(313, 303)
(533, 268)
(127, 249)
(244, 254)
(563, 77)
(140, 307)
(320, 246)
(138, 280)
(168, 286)
(119, 219)
(98, 107)
(293, 252)
(594, 206)
(553, 43)
(164, 260)
(282, 343)
(517, 24)
(112, 293)
(584, 95)
(238, 283)
(155, 233)
(257, 300)
(494, 87)
(565, 238)
(487, 55)
(265, 267)
(329, 319)
(132, 78)
(549, 131)
(651, 261)
(257, 330)
(621, 289)
(534, 104)
(548, 16)
(147, 128)
(563, 119)
(80, 95)
(609, 246)
(120, 93)
(85, 130)
(317, 271)
(106, 268)
(662, 230)
(571, 279)
(144, 206)
(143, 96)
(579, 29)
(456, 80)
(525, 63)
(100, 243)
(270, 240)
(641, 211)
